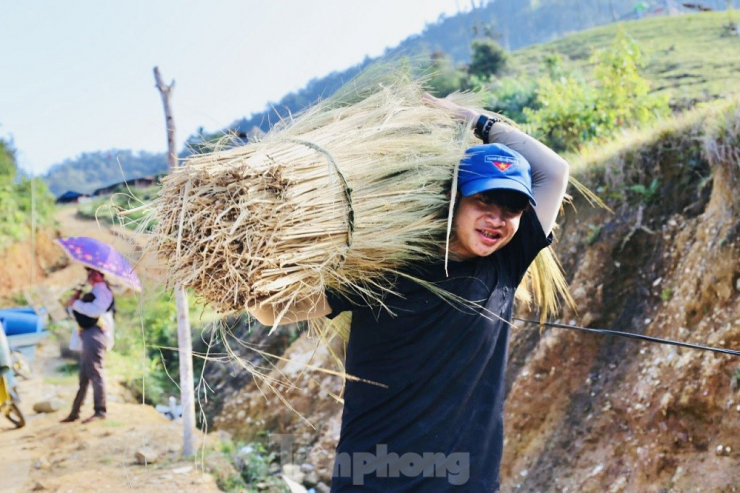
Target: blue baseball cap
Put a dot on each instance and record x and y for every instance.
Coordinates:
(494, 167)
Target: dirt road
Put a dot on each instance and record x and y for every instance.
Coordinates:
(48, 456)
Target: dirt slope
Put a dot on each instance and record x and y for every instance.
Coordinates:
(48, 456)
(591, 413)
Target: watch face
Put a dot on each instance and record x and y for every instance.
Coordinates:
(479, 126)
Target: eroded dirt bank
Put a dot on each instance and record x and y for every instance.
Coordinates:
(593, 413)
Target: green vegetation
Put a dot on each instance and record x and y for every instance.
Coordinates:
(488, 59)
(446, 77)
(648, 194)
(20, 199)
(690, 56)
(146, 333)
(63, 380)
(594, 232)
(92, 170)
(258, 468)
(105, 209)
(69, 369)
(666, 294)
(591, 84)
(569, 111)
(563, 107)
(663, 165)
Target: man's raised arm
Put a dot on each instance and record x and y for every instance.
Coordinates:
(549, 171)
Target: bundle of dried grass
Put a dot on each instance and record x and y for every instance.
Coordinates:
(340, 197)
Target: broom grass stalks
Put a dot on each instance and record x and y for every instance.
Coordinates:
(340, 197)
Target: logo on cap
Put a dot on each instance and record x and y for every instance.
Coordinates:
(501, 162)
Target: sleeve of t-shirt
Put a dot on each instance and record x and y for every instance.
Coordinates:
(527, 243)
(338, 303)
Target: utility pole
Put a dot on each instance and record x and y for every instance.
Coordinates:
(33, 230)
(184, 342)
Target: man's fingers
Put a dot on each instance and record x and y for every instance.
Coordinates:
(461, 113)
(429, 100)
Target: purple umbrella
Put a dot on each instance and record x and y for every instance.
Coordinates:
(102, 257)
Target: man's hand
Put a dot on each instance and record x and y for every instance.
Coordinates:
(462, 114)
(312, 307)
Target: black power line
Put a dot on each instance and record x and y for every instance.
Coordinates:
(632, 336)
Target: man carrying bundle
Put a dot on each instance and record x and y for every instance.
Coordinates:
(435, 421)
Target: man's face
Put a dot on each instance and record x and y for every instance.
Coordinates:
(481, 227)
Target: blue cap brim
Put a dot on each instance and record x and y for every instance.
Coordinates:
(485, 184)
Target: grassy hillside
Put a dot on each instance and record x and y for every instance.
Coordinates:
(694, 57)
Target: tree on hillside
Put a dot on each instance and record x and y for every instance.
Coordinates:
(7, 161)
(571, 112)
(488, 58)
(19, 199)
(445, 77)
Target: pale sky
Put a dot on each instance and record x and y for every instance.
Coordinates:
(77, 74)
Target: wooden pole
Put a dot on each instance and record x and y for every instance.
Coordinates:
(185, 345)
(165, 91)
(184, 342)
(33, 229)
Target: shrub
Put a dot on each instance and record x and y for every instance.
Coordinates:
(565, 116)
(21, 198)
(510, 96)
(572, 112)
(445, 79)
(488, 58)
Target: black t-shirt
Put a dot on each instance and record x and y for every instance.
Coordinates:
(436, 424)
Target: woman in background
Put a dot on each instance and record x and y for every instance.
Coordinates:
(94, 314)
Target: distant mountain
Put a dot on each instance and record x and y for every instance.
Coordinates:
(514, 23)
(92, 170)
